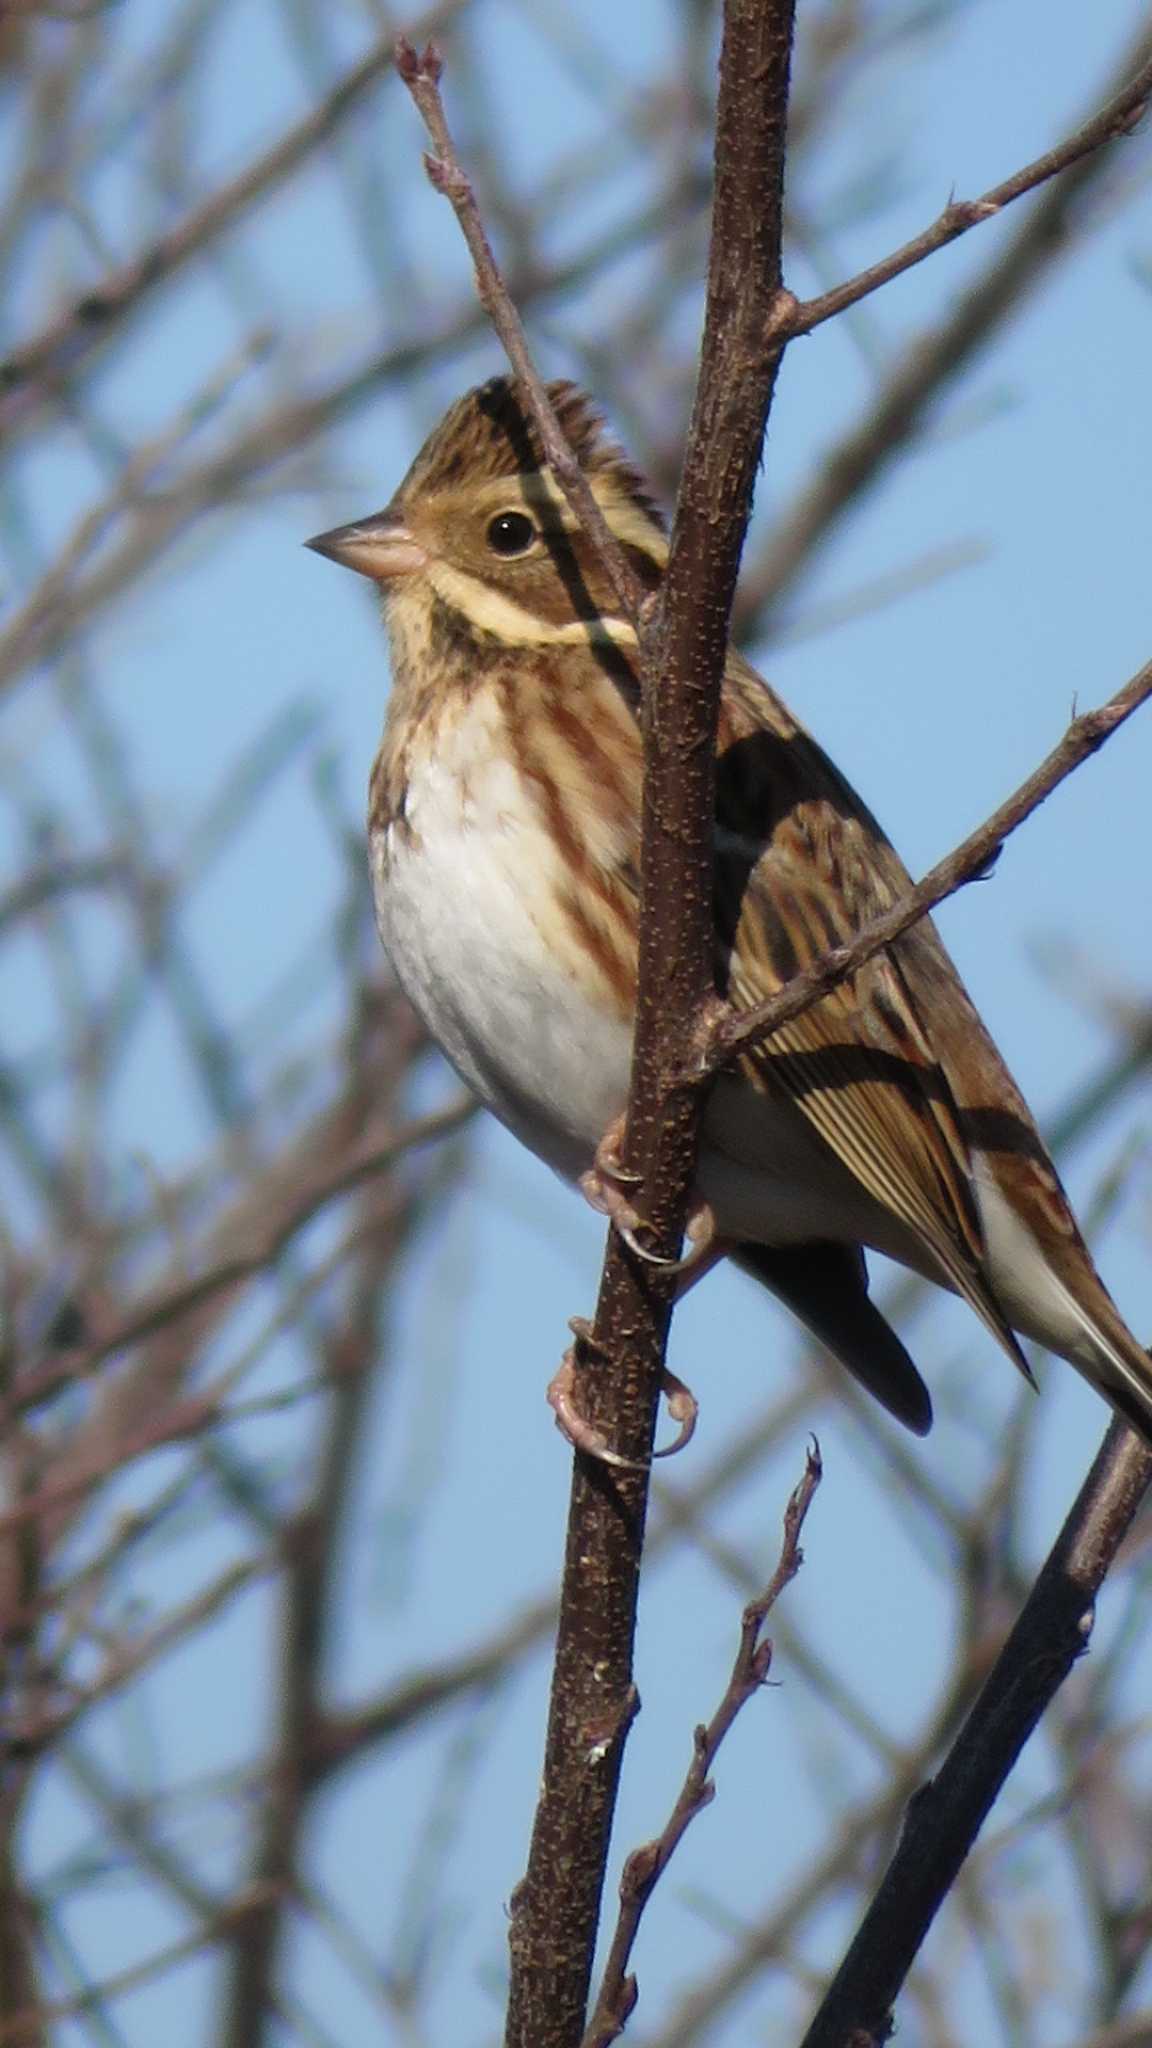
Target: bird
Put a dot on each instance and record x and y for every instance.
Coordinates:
(504, 847)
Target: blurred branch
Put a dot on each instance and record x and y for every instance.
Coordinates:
(35, 371)
(310, 1546)
(18, 1989)
(46, 614)
(28, 2026)
(169, 1304)
(1133, 2032)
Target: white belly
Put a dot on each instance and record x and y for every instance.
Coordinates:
(463, 902)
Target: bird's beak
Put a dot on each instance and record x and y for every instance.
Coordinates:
(381, 547)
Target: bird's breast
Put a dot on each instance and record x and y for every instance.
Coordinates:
(472, 891)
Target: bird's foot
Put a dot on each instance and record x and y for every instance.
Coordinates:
(585, 1437)
(607, 1186)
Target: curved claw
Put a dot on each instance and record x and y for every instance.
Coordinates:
(684, 1409)
(575, 1427)
(583, 1435)
(628, 1232)
(609, 1164)
(701, 1235)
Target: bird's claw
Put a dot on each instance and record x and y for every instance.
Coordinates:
(609, 1164)
(605, 1194)
(684, 1409)
(586, 1438)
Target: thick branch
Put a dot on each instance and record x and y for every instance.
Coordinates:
(683, 652)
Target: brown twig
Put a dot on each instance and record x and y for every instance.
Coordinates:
(946, 1815)
(862, 1827)
(645, 1866)
(736, 1033)
(861, 456)
(683, 653)
(421, 73)
(792, 317)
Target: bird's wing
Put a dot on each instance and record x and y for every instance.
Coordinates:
(801, 866)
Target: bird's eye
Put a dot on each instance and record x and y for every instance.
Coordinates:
(511, 533)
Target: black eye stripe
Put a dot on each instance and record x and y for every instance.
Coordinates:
(510, 533)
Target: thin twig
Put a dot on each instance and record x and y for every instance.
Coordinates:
(792, 317)
(645, 1866)
(737, 1033)
(1043, 236)
(421, 74)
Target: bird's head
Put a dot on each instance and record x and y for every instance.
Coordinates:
(481, 526)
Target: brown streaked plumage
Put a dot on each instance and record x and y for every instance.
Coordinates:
(504, 833)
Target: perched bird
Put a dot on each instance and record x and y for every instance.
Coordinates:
(504, 830)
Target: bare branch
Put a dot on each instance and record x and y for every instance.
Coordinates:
(645, 1867)
(421, 74)
(737, 1032)
(1043, 236)
(792, 317)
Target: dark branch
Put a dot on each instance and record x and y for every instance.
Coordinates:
(683, 653)
(946, 1815)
